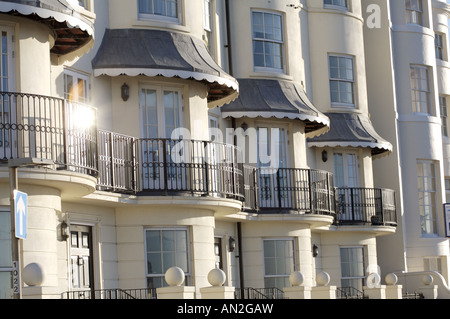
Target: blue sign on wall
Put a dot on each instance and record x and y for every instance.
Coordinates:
(20, 213)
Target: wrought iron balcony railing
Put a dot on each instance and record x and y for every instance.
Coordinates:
(288, 190)
(48, 128)
(66, 133)
(165, 166)
(365, 206)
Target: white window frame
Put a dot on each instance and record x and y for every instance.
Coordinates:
(440, 46)
(418, 91)
(294, 259)
(280, 42)
(75, 94)
(427, 196)
(159, 17)
(7, 84)
(340, 79)
(209, 25)
(361, 277)
(335, 4)
(414, 12)
(161, 123)
(347, 169)
(443, 107)
(187, 273)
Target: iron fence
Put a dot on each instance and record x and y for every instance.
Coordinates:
(258, 293)
(115, 293)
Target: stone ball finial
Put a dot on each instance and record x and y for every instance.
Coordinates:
(296, 279)
(427, 280)
(391, 279)
(373, 280)
(322, 278)
(174, 276)
(217, 277)
(33, 274)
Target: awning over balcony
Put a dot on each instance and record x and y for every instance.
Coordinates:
(276, 98)
(352, 130)
(72, 30)
(135, 52)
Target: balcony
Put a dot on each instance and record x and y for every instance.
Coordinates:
(371, 206)
(65, 133)
(48, 128)
(288, 191)
(155, 166)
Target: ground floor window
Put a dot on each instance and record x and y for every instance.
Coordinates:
(279, 262)
(352, 268)
(5, 255)
(165, 248)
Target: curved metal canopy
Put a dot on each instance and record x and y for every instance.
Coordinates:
(279, 99)
(352, 130)
(72, 30)
(147, 52)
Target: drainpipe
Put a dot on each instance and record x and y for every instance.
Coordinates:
(233, 125)
(228, 45)
(241, 268)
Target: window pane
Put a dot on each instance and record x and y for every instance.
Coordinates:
(153, 241)
(339, 170)
(269, 248)
(154, 265)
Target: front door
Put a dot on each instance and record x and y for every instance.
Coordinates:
(81, 258)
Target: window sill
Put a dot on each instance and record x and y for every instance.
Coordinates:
(343, 106)
(160, 25)
(270, 74)
(336, 7)
(413, 28)
(443, 63)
